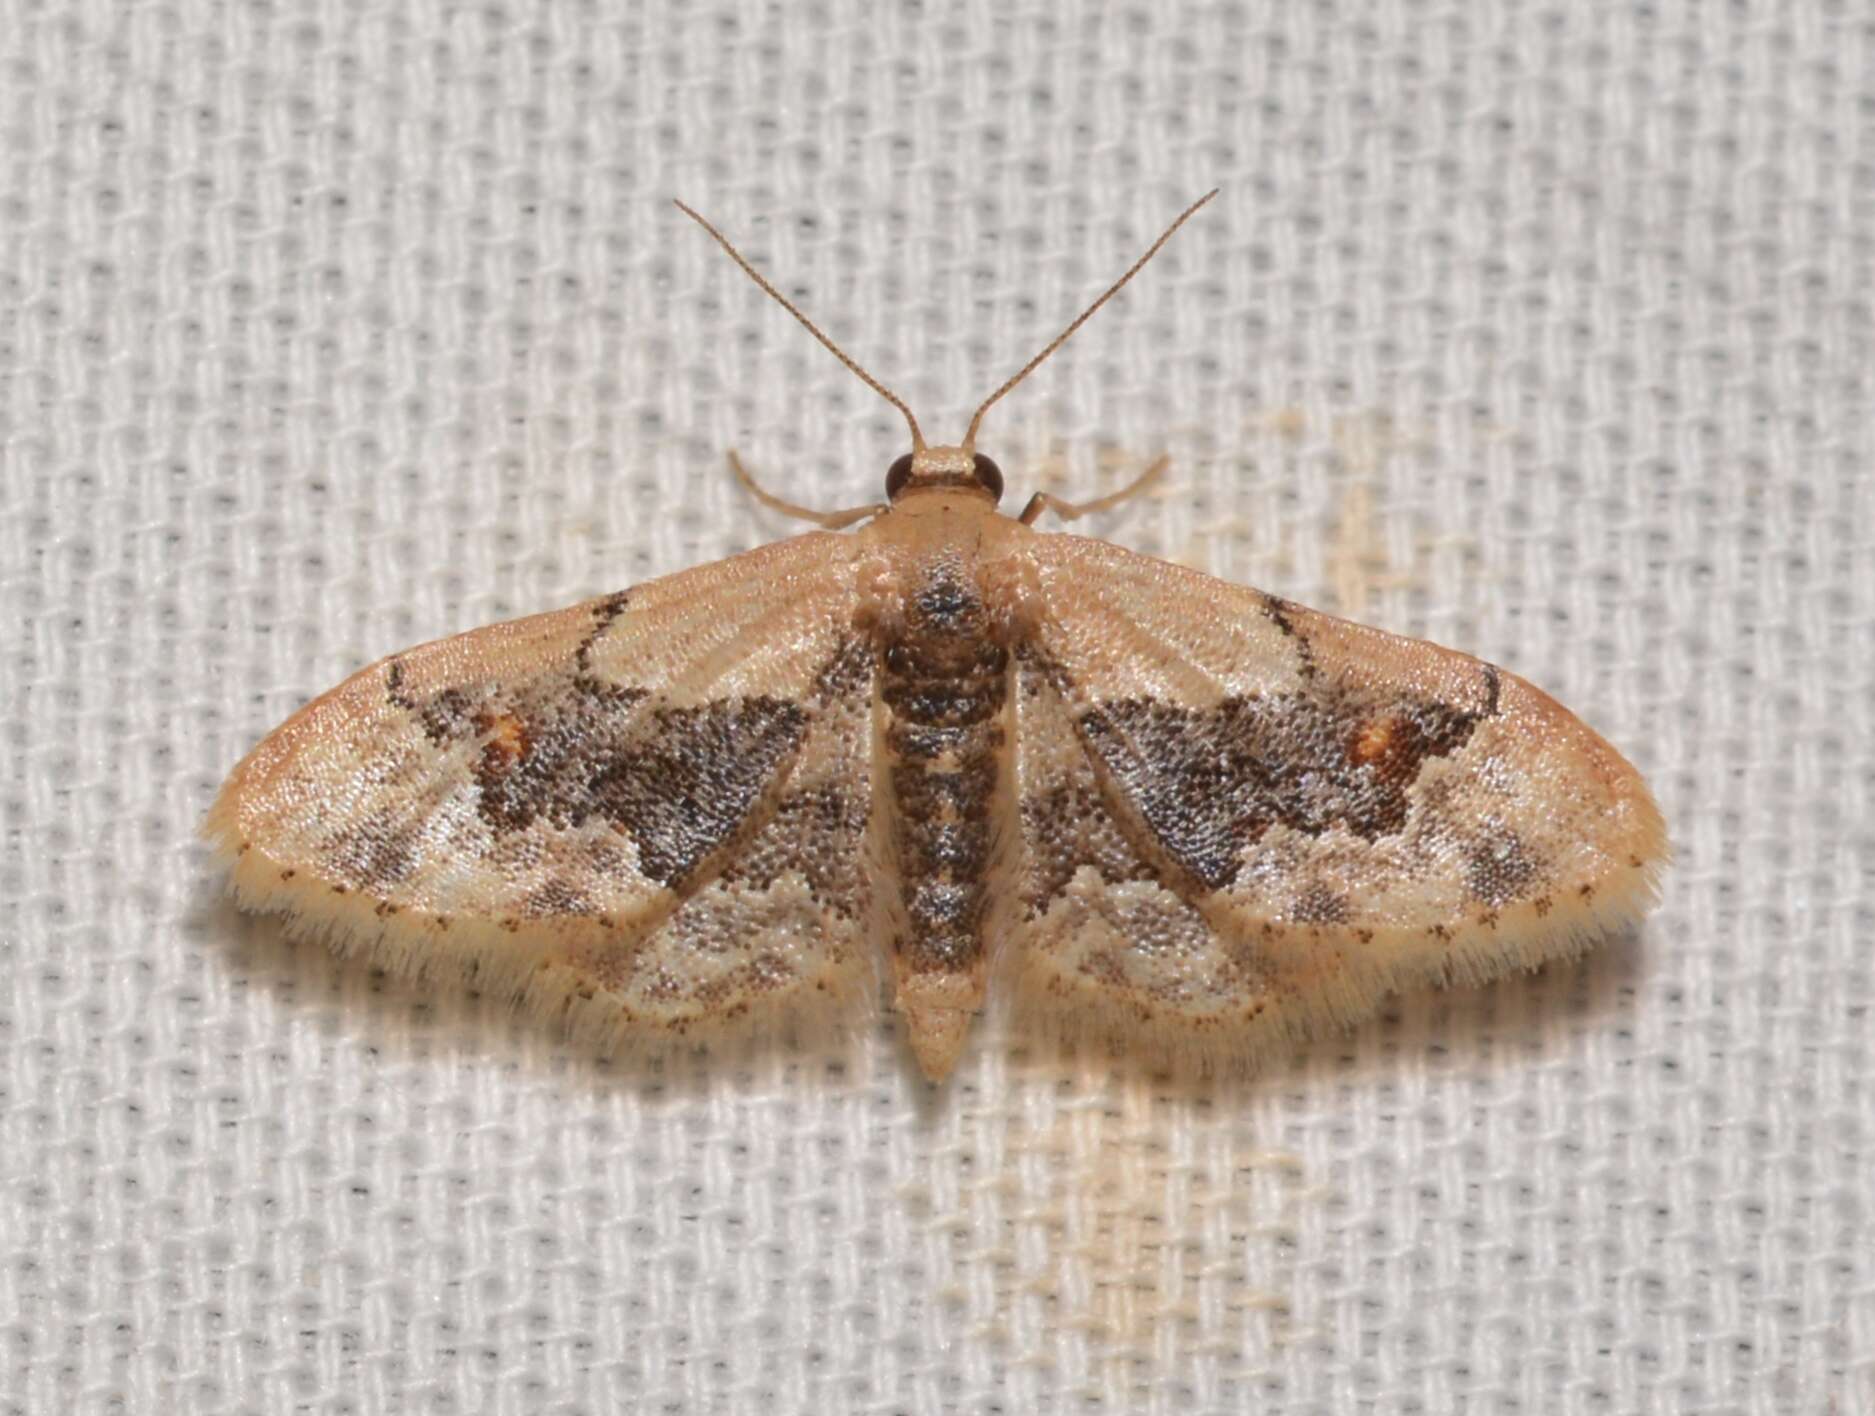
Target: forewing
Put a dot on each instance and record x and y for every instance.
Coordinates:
(1243, 819)
(652, 801)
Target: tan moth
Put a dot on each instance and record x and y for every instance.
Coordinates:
(948, 746)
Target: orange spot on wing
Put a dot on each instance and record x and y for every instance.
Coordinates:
(1372, 741)
(507, 741)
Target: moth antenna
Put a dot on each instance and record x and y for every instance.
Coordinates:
(970, 437)
(917, 438)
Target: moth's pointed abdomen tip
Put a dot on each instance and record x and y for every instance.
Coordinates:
(937, 1040)
(936, 1032)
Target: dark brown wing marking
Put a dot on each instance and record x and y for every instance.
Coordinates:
(1068, 825)
(689, 784)
(1501, 868)
(378, 853)
(604, 612)
(1208, 782)
(1279, 611)
(565, 748)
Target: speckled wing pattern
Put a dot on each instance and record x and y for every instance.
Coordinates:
(653, 801)
(942, 750)
(1242, 820)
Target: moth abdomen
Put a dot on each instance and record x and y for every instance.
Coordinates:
(944, 694)
(945, 745)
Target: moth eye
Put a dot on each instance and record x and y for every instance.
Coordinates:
(896, 476)
(989, 476)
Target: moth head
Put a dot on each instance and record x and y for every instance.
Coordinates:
(944, 469)
(961, 468)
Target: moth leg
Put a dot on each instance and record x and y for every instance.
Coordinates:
(1073, 511)
(827, 520)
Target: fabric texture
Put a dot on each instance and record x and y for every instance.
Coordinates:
(1543, 331)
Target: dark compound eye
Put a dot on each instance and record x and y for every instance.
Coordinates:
(896, 476)
(989, 476)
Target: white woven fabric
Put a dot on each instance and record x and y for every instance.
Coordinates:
(1541, 330)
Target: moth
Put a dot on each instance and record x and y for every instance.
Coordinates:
(945, 746)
